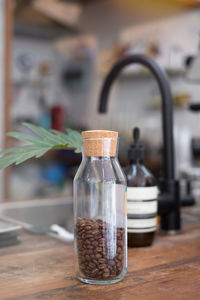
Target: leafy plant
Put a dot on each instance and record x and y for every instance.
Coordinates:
(39, 144)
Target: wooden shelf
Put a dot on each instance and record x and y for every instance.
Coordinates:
(146, 74)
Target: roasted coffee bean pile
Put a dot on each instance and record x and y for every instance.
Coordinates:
(100, 250)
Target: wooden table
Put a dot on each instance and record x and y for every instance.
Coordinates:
(41, 267)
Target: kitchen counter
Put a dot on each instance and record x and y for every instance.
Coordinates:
(40, 267)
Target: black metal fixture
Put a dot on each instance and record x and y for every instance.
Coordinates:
(169, 200)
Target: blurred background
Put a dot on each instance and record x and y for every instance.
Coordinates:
(54, 56)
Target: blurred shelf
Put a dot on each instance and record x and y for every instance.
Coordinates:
(22, 83)
(36, 19)
(146, 74)
(42, 32)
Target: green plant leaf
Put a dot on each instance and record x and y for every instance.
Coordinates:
(20, 149)
(25, 137)
(75, 137)
(39, 144)
(7, 160)
(61, 136)
(46, 136)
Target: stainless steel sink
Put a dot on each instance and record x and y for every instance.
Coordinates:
(40, 212)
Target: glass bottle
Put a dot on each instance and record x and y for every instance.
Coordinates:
(142, 193)
(100, 211)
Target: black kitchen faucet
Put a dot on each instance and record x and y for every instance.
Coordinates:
(169, 200)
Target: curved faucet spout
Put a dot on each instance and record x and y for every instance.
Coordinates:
(169, 201)
(167, 103)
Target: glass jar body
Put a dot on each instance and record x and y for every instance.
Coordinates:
(100, 220)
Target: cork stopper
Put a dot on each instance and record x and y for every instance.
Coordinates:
(99, 142)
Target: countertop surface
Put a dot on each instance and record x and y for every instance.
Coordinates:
(40, 267)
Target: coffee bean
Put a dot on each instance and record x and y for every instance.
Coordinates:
(95, 232)
(99, 249)
(113, 273)
(91, 265)
(99, 221)
(88, 236)
(88, 227)
(87, 257)
(102, 260)
(95, 261)
(95, 226)
(98, 236)
(106, 270)
(119, 249)
(102, 266)
(120, 243)
(106, 275)
(96, 244)
(111, 263)
(119, 257)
